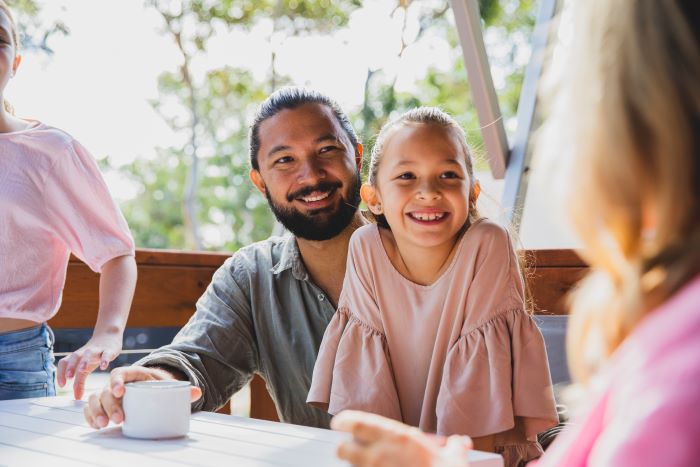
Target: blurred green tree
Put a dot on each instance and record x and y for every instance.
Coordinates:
(197, 195)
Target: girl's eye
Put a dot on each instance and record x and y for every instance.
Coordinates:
(406, 176)
(449, 174)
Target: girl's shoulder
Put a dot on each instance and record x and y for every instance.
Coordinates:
(486, 235)
(365, 237)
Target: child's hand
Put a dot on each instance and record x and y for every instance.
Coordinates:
(381, 442)
(100, 350)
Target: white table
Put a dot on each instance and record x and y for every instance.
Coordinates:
(51, 431)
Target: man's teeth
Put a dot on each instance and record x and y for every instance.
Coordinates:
(310, 199)
(428, 217)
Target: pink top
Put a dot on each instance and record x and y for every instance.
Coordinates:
(458, 356)
(646, 409)
(53, 200)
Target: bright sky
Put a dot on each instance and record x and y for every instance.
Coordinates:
(99, 81)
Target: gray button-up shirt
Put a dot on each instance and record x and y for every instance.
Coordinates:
(260, 314)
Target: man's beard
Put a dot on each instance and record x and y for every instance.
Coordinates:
(319, 224)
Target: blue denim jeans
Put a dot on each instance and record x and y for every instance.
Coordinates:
(27, 364)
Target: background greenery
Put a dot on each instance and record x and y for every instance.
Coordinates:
(202, 187)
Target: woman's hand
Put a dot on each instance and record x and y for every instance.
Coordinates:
(100, 350)
(382, 442)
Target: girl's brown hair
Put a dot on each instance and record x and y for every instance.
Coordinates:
(627, 117)
(15, 39)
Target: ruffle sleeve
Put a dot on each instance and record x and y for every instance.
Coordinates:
(496, 376)
(353, 369)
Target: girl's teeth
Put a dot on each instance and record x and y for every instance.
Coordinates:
(428, 217)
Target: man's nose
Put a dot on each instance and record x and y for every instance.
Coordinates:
(311, 171)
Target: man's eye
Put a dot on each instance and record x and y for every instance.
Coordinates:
(406, 176)
(283, 160)
(327, 149)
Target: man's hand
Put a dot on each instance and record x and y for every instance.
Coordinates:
(106, 406)
(381, 442)
(100, 350)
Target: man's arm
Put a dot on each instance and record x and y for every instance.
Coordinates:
(216, 351)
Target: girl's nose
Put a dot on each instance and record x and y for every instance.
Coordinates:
(428, 192)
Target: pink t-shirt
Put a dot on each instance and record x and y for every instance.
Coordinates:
(645, 412)
(53, 201)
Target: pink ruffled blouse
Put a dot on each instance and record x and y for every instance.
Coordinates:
(459, 356)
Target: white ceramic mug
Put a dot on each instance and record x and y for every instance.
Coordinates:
(156, 409)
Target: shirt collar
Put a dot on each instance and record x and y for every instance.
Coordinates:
(291, 259)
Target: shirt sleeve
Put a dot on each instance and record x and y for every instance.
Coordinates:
(496, 374)
(81, 212)
(216, 349)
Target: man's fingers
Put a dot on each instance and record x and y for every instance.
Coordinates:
(94, 413)
(111, 406)
(195, 393)
(120, 376)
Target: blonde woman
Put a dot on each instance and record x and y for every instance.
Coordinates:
(629, 113)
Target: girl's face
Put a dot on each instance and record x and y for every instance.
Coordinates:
(9, 60)
(422, 185)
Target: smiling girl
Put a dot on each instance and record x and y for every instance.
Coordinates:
(432, 327)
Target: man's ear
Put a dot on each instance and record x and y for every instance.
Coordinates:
(359, 151)
(258, 181)
(15, 64)
(372, 199)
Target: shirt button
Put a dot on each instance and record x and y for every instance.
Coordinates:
(321, 297)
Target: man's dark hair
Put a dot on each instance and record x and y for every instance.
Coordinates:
(291, 98)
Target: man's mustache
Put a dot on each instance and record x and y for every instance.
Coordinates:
(307, 190)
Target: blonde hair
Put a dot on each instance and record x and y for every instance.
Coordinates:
(628, 119)
(427, 116)
(15, 39)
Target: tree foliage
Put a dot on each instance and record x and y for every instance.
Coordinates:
(207, 178)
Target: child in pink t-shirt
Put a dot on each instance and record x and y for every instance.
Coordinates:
(53, 201)
(431, 327)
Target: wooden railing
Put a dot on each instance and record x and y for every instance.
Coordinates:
(170, 282)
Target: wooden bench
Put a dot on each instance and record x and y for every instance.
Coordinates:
(170, 282)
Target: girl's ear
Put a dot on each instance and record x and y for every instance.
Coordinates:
(15, 64)
(474, 192)
(371, 197)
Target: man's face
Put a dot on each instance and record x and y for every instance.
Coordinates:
(309, 171)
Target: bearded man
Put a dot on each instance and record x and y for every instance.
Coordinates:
(268, 306)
